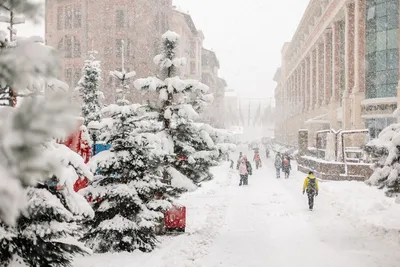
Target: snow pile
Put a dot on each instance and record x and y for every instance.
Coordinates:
(366, 207)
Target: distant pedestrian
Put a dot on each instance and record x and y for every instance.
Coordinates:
(278, 165)
(257, 159)
(267, 152)
(311, 187)
(245, 169)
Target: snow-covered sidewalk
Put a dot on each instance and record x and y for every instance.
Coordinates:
(268, 224)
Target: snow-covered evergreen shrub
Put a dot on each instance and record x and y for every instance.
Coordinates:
(386, 150)
(179, 103)
(130, 194)
(88, 86)
(46, 233)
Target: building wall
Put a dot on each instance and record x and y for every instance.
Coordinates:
(340, 70)
(190, 45)
(76, 27)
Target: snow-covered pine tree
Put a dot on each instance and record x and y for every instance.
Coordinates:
(45, 234)
(129, 196)
(386, 151)
(88, 86)
(180, 101)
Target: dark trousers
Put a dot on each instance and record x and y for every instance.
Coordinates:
(287, 173)
(311, 196)
(244, 179)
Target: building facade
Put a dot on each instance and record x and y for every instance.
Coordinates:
(340, 70)
(209, 76)
(190, 44)
(132, 27)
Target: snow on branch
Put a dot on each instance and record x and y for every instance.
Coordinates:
(23, 159)
(26, 61)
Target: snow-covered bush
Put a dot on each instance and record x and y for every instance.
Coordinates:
(45, 235)
(179, 102)
(88, 86)
(386, 150)
(130, 195)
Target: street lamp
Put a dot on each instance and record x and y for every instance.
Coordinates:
(94, 127)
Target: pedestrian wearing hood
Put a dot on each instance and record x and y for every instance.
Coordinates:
(245, 169)
(311, 187)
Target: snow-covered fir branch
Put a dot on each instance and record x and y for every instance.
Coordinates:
(88, 86)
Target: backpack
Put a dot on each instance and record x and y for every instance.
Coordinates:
(312, 185)
(286, 162)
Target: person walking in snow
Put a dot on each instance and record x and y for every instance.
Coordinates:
(278, 164)
(267, 152)
(257, 159)
(245, 169)
(311, 187)
(286, 166)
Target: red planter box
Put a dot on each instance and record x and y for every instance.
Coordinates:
(175, 219)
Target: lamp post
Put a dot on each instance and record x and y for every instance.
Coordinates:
(94, 127)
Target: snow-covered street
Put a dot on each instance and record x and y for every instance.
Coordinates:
(268, 224)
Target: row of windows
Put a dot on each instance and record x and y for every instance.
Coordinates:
(69, 17)
(70, 46)
(382, 53)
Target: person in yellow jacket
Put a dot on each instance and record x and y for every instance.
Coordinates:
(311, 187)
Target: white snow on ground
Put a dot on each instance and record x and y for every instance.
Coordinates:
(268, 224)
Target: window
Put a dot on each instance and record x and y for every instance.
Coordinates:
(382, 53)
(118, 48)
(120, 19)
(71, 46)
(68, 17)
(77, 48)
(60, 13)
(60, 45)
(68, 76)
(77, 17)
(376, 125)
(77, 76)
(68, 46)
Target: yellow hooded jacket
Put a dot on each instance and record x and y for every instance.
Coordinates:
(305, 185)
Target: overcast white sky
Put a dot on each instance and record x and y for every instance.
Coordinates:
(246, 35)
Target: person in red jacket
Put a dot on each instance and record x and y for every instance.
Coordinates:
(257, 159)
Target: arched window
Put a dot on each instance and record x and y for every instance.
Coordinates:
(70, 46)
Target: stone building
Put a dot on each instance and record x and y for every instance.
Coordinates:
(190, 44)
(340, 70)
(76, 27)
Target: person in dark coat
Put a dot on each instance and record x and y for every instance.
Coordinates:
(311, 187)
(278, 165)
(286, 166)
